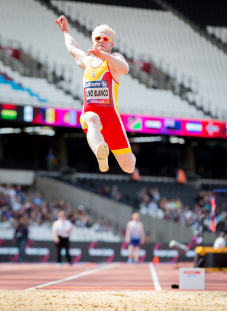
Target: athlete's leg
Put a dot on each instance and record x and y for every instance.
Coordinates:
(130, 253)
(94, 136)
(96, 141)
(126, 161)
(136, 254)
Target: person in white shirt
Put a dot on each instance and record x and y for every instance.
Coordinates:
(220, 242)
(62, 229)
(135, 237)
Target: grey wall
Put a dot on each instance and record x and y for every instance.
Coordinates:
(17, 177)
(161, 230)
(53, 189)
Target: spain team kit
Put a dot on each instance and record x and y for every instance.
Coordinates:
(100, 97)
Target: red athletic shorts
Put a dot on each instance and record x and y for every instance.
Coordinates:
(112, 128)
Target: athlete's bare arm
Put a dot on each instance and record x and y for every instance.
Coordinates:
(116, 61)
(142, 238)
(73, 47)
(127, 233)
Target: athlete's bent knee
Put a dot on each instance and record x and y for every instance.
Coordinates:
(128, 167)
(92, 119)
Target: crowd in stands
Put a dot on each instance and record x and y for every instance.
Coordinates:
(152, 203)
(16, 204)
(112, 193)
(174, 209)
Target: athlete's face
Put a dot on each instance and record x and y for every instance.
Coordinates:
(136, 218)
(103, 45)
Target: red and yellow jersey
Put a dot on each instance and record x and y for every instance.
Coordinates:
(100, 96)
(100, 88)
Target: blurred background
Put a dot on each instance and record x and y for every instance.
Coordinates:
(173, 104)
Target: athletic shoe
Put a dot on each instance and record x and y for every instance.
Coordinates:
(102, 153)
(59, 264)
(130, 260)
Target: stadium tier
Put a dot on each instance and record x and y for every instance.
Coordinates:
(162, 37)
(47, 42)
(208, 15)
(18, 89)
(219, 32)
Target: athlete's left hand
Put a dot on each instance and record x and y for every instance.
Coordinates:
(96, 53)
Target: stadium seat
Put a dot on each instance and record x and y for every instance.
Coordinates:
(34, 91)
(46, 44)
(167, 40)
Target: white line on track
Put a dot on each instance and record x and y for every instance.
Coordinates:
(154, 276)
(76, 276)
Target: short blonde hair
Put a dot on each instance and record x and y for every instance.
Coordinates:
(103, 27)
(135, 215)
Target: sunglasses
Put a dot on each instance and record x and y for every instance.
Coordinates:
(106, 39)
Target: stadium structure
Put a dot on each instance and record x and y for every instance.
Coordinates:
(173, 104)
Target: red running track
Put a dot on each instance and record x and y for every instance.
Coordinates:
(96, 277)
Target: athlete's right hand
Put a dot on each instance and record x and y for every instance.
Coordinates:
(63, 23)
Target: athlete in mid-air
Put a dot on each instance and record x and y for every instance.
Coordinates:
(100, 119)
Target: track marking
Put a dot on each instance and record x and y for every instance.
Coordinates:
(154, 276)
(19, 267)
(98, 287)
(106, 267)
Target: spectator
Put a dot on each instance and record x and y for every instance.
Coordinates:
(107, 227)
(152, 206)
(101, 226)
(37, 199)
(156, 195)
(16, 206)
(142, 194)
(144, 205)
(114, 192)
(18, 190)
(148, 237)
(106, 192)
(10, 191)
(21, 236)
(181, 178)
(51, 160)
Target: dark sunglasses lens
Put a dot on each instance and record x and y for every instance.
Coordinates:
(97, 38)
(106, 39)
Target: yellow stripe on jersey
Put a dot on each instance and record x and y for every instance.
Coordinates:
(115, 94)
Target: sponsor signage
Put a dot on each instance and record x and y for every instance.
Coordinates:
(132, 123)
(45, 251)
(193, 278)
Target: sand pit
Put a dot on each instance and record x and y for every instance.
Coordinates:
(42, 300)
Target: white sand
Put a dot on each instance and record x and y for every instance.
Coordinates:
(42, 300)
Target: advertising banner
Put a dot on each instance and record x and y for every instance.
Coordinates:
(132, 123)
(45, 251)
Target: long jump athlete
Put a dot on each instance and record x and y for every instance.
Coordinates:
(100, 119)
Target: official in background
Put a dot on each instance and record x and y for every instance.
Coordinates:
(220, 242)
(21, 236)
(62, 229)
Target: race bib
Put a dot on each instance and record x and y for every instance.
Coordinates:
(97, 92)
